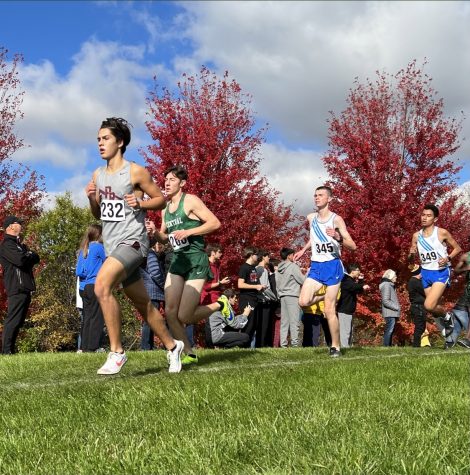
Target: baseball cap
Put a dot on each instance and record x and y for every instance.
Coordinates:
(416, 270)
(9, 220)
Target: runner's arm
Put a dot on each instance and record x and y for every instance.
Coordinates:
(162, 235)
(143, 182)
(300, 253)
(344, 235)
(194, 207)
(413, 250)
(462, 264)
(93, 194)
(448, 238)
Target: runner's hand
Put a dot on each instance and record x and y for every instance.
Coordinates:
(90, 189)
(181, 234)
(132, 201)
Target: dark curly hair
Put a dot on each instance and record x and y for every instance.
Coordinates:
(120, 128)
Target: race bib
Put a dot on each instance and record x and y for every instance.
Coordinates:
(112, 210)
(177, 244)
(428, 257)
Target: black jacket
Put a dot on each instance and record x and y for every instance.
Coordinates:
(348, 299)
(416, 291)
(17, 262)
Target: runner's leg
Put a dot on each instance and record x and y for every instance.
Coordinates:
(137, 293)
(433, 295)
(111, 273)
(330, 314)
(307, 295)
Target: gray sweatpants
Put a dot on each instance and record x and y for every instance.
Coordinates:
(345, 329)
(290, 320)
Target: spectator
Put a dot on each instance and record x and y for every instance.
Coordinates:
(462, 307)
(212, 289)
(264, 330)
(90, 260)
(79, 306)
(249, 286)
(17, 261)
(417, 297)
(390, 304)
(276, 315)
(313, 318)
(225, 331)
(351, 285)
(289, 279)
(153, 275)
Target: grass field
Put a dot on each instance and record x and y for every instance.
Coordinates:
(374, 411)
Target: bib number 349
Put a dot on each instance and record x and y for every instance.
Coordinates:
(178, 243)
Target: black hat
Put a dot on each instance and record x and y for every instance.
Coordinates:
(9, 220)
(416, 270)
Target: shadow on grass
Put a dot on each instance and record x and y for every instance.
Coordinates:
(224, 356)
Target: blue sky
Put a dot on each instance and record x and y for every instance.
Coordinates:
(88, 60)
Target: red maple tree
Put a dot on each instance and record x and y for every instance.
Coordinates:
(389, 154)
(22, 189)
(207, 127)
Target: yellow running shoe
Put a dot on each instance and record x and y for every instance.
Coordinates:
(188, 359)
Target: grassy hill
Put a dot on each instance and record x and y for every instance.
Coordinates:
(276, 411)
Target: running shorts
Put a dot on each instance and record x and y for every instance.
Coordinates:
(327, 273)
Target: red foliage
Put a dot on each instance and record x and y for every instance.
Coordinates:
(389, 155)
(22, 189)
(208, 129)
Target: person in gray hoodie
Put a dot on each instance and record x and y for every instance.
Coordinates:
(289, 279)
(390, 304)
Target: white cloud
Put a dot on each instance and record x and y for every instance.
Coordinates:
(75, 185)
(299, 59)
(106, 79)
(63, 156)
(295, 173)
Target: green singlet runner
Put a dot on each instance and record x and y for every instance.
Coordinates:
(190, 260)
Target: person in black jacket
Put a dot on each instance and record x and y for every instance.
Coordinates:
(351, 285)
(17, 262)
(417, 297)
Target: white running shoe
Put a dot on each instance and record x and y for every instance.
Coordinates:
(113, 364)
(174, 357)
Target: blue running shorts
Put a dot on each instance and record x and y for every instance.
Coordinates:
(327, 273)
(428, 277)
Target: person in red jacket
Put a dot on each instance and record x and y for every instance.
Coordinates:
(212, 289)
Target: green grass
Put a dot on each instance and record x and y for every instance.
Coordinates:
(374, 411)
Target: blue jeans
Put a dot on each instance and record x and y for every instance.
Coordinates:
(389, 327)
(461, 322)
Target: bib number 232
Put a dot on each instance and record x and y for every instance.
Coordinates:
(177, 243)
(112, 210)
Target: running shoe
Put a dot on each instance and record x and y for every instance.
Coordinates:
(113, 364)
(226, 310)
(449, 344)
(188, 359)
(174, 357)
(448, 322)
(465, 342)
(334, 352)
